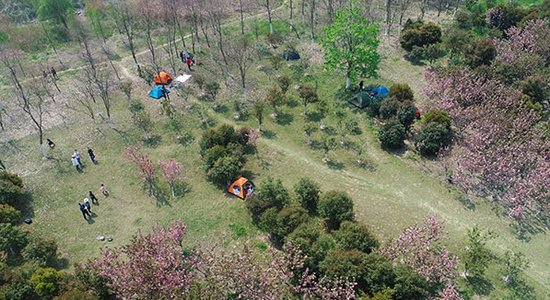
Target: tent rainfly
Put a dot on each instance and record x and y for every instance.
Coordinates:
(158, 92)
(241, 188)
(162, 78)
(291, 55)
(361, 100)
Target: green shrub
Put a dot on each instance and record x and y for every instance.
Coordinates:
(226, 169)
(410, 38)
(401, 92)
(409, 285)
(437, 116)
(406, 114)
(268, 220)
(353, 235)
(41, 250)
(392, 135)
(416, 55)
(313, 243)
(410, 24)
(430, 34)
(77, 295)
(388, 108)
(336, 207)
(431, 138)
(307, 192)
(286, 221)
(212, 156)
(12, 239)
(373, 110)
(8, 214)
(256, 207)
(535, 87)
(11, 189)
(274, 193)
(46, 282)
(480, 52)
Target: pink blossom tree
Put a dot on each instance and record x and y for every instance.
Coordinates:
(252, 136)
(152, 266)
(171, 172)
(419, 247)
(143, 162)
(450, 293)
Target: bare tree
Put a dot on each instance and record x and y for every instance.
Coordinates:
(96, 15)
(204, 30)
(50, 94)
(241, 54)
(103, 84)
(2, 126)
(52, 45)
(388, 17)
(89, 87)
(424, 4)
(403, 7)
(84, 101)
(215, 19)
(266, 4)
(147, 11)
(33, 109)
(120, 12)
(441, 4)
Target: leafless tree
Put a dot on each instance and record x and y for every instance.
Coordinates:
(241, 54)
(99, 7)
(120, 12)
(267, 5)
(2, 126)
(147, 10)
(103, 84)
(215, 20)
(404, 6)
(84, 100)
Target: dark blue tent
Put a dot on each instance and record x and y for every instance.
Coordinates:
(380, 92)
(158, 92)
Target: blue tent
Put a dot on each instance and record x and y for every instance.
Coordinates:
(381, 92)
(158, 92)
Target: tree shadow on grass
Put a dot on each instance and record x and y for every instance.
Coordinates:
(268, 134)
(314, 117)
(335, 165)
(284, 119)
(292, 102)
(480, 285)
(162, 196)
(221, 108)
(153, 141)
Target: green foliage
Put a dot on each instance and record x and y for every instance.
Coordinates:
(307, 192)
(354, 235)
(58, 10)
(392, 135)
(514, 264)
(506, 15)
(212, 155)
(309, 128)
(336, 207)
(288, 219)
(46, 282)
(11, 189)
(351, 39)
(437, 116)
(136, 106)
(480, 52)
(8, 214)
(313, 243)
(535, 87)
(223, 135)
(388, 108)
(274, 39)
(406, 114)
(199, 80)
(427, 34)
(476, 257)
(126, 88)
(211, 89)
(431, 138)
(77, 295)
(401, 92)
(12, 239)
(256, 207)
(298, 72)
(15, 282)
(258, 111)
(276, 61)
(41, 250)
(143, 120)
(409, 285)
(276, 97)
(274, 193)
(284, 83)
(456, 40)
(308, 95)
(410, 24)
(226, 169)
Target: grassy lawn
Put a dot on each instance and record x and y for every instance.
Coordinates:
(390, 192)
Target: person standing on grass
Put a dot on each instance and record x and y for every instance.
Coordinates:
(45, 76)
(76, 164)
(189, 63)
(84, 211)
(104, 190)
(87, 204)
(93, 198)
(92, 155)
(54, 73)
(182, 56)
(77, 155)
(50, 143)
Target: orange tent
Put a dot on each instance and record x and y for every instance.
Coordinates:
(241, 188)
(163, 78)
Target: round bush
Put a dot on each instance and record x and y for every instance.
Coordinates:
(431, 138)
(8, 214)
(226, 169)
(392, 135)
(256, 206)
(406, 114)
(388, 108)
(430, 34)
(437, 116)
(307, 193)
(409, 39)
(352, 235)
(336, 207)
(401, 92)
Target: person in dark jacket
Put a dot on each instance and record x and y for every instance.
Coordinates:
(92, 155)
(84, 211)
(93, 198)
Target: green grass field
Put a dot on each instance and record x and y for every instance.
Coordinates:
(390, 193)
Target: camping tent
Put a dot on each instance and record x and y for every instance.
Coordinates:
(291, 55)
(380, 92)
(241, 188)
(158, 92)
(163, 78)
(361, 100)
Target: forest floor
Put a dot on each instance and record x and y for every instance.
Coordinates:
(390, 190)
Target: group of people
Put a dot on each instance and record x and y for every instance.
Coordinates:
(76, 158)
(53, 72)
(86, 208)
(186, 58)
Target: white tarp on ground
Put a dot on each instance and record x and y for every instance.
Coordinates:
(183, 78)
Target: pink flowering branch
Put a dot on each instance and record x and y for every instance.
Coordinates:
(143, 162)
(171, 172)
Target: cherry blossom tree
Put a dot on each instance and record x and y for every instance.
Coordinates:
(252, 136)
(152, 266)
(419, 247)
(171, 172)
(143, 162)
